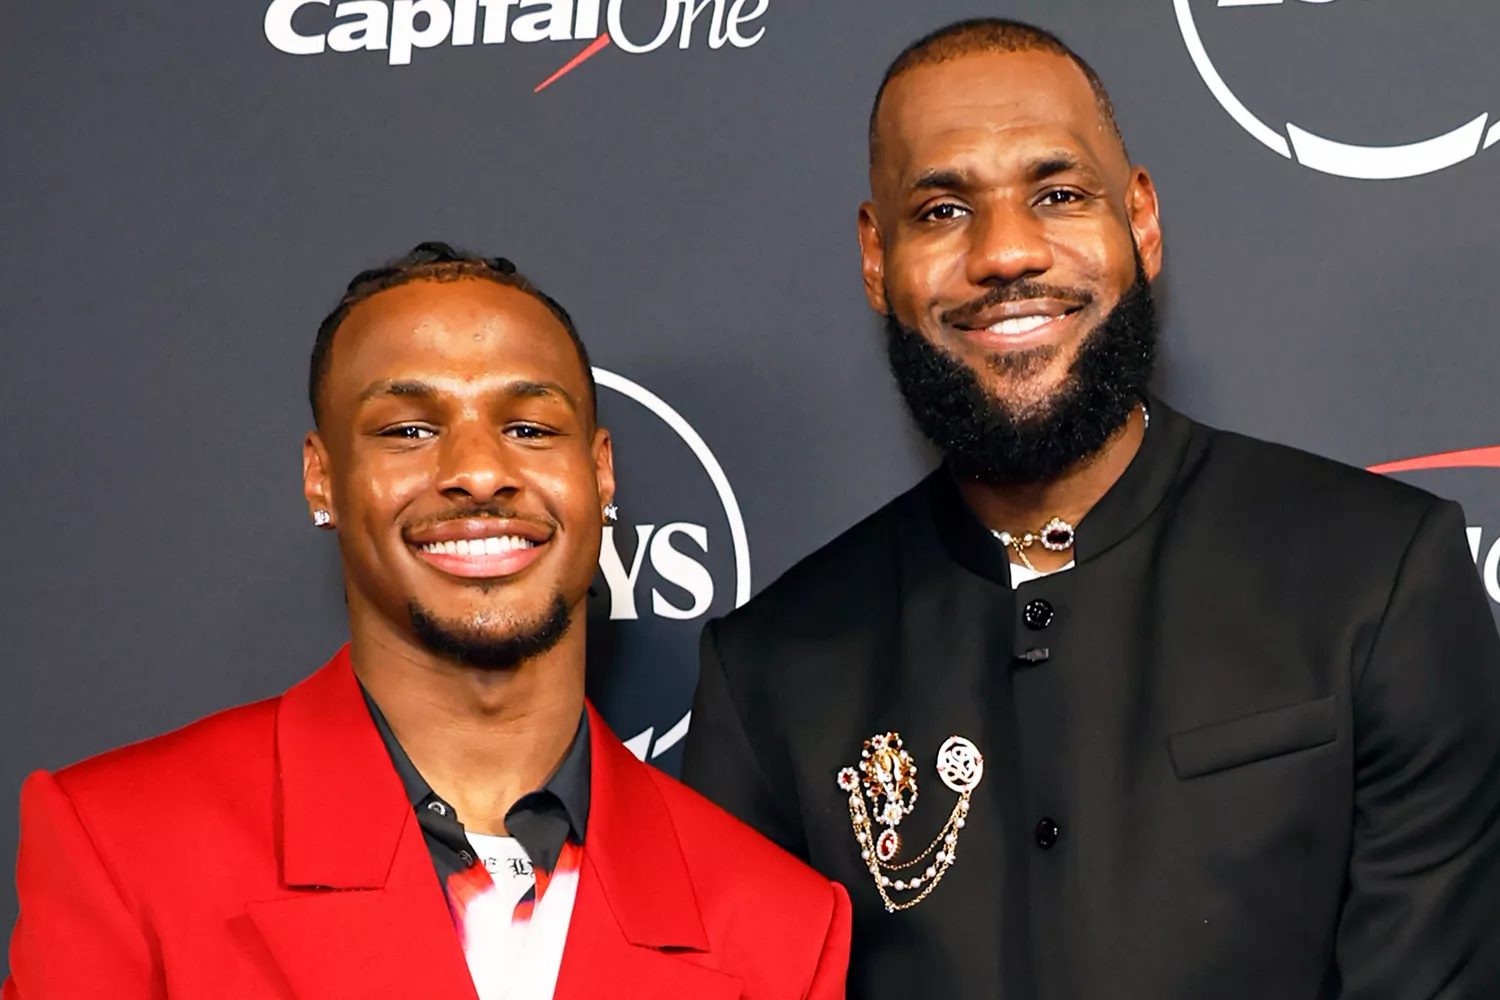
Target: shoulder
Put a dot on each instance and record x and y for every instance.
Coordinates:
(733, 867)
(223, 756)
(1309, 491)
(830, 587)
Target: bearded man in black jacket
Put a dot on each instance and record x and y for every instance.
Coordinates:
(1192, 715)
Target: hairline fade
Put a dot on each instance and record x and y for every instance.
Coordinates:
(980, 35)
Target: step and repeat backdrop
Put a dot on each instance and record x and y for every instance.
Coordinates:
(185, 188)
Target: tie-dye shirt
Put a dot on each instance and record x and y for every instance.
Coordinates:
(512, 920)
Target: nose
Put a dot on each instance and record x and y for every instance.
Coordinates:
(1007, 243)
(475, 464)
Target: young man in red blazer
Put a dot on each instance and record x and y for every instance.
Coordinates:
(436, 813)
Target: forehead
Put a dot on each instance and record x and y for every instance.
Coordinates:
(469, 328)
(997, 101)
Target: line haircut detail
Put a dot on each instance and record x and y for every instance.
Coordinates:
(434, 261)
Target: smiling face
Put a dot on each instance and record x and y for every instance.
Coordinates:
(458, 456)
(1004, 219)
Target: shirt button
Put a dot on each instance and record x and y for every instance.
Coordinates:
(1047, 833)
(1037, 614)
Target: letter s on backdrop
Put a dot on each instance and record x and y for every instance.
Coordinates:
(679, 568)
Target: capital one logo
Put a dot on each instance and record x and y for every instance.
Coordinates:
(677, 555)
(1467, 131)
(1473, 478)
(400, 28)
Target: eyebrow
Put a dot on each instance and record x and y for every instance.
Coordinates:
(527, 389)
(940, 179)
(396, 387)
(415, 389)
(946, 178)
(1052, 165)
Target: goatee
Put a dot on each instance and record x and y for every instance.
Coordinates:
(979, 435)
(473, 645)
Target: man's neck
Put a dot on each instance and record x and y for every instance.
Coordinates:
(481, 738)
(1019, 509)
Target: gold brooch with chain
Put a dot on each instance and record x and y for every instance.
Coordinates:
(887, 776)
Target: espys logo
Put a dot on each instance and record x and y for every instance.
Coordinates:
(1228, 21)
(678, 554)
(400, 27)
(1473, 478)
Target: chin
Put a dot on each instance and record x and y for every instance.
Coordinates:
(490, 638)
(491, 617)
(1025, 397)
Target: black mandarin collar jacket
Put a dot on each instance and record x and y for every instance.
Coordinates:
(1253, 753)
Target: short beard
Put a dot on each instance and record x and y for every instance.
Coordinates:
(469, 646)
(979, 435)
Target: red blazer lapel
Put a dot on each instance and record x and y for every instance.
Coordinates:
(635, 895)
(364, 915)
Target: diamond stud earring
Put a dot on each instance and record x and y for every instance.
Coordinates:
(611, 514)
(322, 519)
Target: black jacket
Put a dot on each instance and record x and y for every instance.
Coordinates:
(1255, 752)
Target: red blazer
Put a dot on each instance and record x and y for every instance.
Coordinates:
(271, 851)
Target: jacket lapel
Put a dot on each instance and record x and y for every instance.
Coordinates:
(636, 927)
(364, 914)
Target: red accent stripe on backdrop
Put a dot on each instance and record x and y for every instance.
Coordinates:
(594, 49)
(1472, 458)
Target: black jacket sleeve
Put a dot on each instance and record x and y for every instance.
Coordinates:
(721, 760)
(1422, 917)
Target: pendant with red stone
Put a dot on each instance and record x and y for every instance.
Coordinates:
(1057, 535)
(888, 845)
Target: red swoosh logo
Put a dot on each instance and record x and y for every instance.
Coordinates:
(1471, 458)
(595, 47)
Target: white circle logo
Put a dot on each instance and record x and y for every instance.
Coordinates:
(658, 565)
(1330, 156)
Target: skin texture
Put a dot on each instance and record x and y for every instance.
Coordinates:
(450, 408)
(995, 169)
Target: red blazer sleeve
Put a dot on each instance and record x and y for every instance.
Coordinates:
(833, 964)
(76, 936)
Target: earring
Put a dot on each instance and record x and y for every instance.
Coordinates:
(322, 519)
(611, 514)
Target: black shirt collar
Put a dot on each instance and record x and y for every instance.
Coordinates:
(542, 821)
(1139, 491)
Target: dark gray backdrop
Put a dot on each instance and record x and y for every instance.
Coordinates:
(181, 202)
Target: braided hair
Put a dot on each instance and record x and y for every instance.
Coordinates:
(433, 261)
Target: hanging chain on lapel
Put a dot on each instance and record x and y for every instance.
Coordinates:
(887, 776)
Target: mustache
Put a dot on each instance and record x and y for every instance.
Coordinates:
(481, 511)
(1015, 291)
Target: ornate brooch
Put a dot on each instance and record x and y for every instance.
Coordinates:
(886, 776)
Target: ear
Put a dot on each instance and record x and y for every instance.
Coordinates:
(872, 258)
(1145, 220)
(604, 466)
(317, 486)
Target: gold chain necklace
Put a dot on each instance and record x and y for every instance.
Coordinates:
(1056, 535)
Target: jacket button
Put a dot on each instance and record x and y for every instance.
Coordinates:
(1037, 614)
(1047, 833)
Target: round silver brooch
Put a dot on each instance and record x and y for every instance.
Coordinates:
(960, 764)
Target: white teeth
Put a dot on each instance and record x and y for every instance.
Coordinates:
(492, 546)
(1019, 325)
